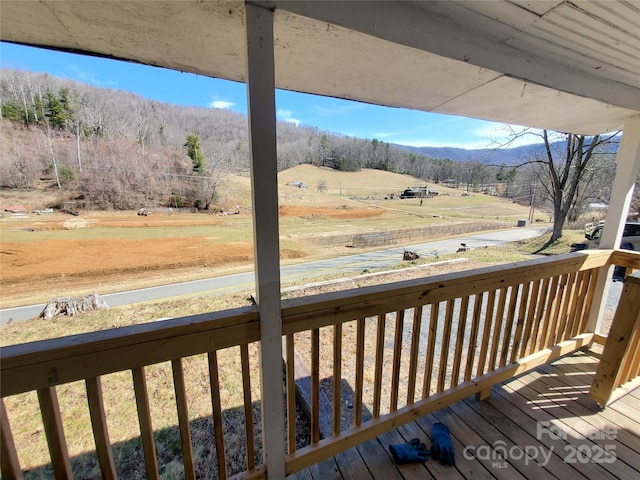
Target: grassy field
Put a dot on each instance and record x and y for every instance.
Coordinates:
(47, 256)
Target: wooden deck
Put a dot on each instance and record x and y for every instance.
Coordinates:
(545, 413)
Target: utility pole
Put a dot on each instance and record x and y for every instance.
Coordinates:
(533, 203)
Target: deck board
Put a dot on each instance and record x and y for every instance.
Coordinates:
(351, 465)
(556, 393)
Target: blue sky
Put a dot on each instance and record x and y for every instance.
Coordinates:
(393, 125)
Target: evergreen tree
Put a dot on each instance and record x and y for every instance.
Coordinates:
(58, 108)
(195, 154)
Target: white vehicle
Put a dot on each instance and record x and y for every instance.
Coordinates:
(630, 236)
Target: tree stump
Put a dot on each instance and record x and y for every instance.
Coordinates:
(71, 306)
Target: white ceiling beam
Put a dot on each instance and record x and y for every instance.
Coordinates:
(440, 28)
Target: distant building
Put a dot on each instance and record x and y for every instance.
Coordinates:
(297, 184)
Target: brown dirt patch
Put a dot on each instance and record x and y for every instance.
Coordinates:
(338, 212)
(95, 261)
(21, 262)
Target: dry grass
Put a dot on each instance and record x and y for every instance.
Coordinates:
(562, 245)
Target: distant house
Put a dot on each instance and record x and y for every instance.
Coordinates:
(597, 206)
(297, 184)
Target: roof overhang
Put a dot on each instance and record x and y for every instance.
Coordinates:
(546, 64)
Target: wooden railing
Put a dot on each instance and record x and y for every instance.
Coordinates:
(396, 352)
(41, 366)
(619, 368)
(416, 346)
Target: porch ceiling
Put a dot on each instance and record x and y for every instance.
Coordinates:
(567, 66)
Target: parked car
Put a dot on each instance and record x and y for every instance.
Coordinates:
(630, 236)
(630, 241)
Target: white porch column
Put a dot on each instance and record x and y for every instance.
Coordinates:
(627, 165)
(264, 186)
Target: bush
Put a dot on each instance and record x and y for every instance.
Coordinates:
(177, 200)
(66, 174)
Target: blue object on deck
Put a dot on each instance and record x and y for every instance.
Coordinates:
(442, 448)
(412, 451)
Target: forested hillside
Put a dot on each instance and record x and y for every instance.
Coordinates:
(111, 149)
(114, 149)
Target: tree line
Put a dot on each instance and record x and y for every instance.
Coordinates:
(113, 149)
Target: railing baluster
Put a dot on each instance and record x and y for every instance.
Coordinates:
(315, 385)
(585, 288)
(576, 304)
(55, 433)
(397, 355)
(144, 419)
(548, 314)
(522, 315)
(291, 394)
(99, 425)
(531, 315)
(508, 328)
(183, 418)
(413, 355)
(9, 464)
(377, 385)
(337, 377)
(497, 330)
(462, 325)
(473, 336)
(431, 349)
(563, 321)
(248, 408)
(218, 427)
(557, 313)
(593, 281)
(486, 332)
(357, 407)
(541, 309)
(446, 341)
(576, 284)
(558, 304)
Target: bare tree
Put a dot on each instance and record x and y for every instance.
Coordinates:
(563, 167)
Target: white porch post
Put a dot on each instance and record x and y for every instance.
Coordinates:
(264, 186)
(627, 165)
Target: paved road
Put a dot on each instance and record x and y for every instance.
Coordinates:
(245, 281)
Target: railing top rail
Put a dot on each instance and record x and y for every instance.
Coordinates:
(45, 363)
(626, 258)
(329, 308)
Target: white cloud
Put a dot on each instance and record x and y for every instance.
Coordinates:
(86, 76)
(287, 116)
(384, 134)
(223, 104)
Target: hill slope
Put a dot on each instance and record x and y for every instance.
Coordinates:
(366, 182)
